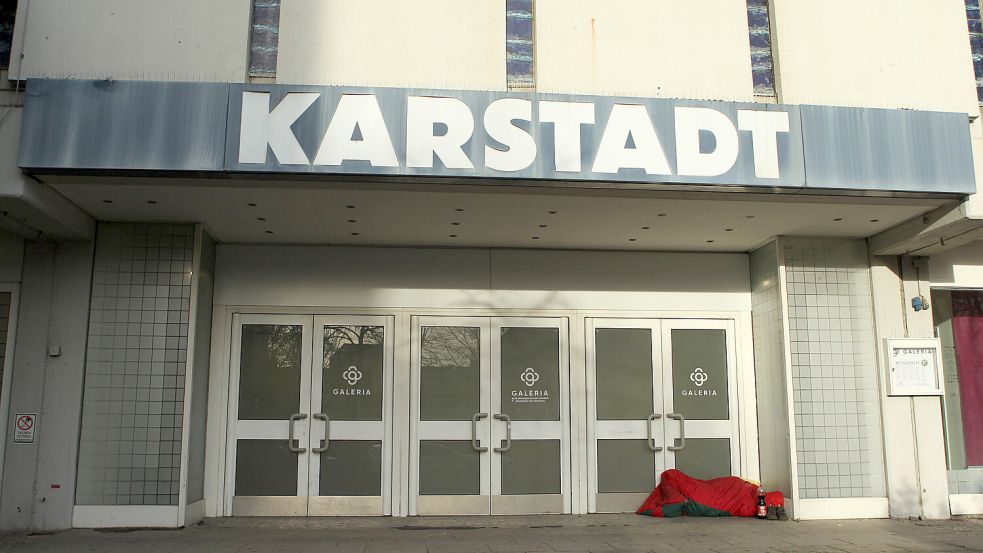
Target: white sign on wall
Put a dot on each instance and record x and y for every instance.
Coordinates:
(25, 425)
(914, 367)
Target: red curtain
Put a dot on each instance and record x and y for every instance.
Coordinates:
(967, 329)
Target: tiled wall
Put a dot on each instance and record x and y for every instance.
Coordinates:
(834, 369)
(130, 445)
(769, 369)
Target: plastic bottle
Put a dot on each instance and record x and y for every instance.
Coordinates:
(762, 511)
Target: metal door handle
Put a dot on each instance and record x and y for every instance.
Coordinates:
(508, 432)
(475, 445)
(290, 440)
(652, 418)
(327, 433)
(682, 431)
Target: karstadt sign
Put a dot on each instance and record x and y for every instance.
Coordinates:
(222, 129)
(502, 135)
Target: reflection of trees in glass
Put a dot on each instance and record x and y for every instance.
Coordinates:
(449, 346)
(967, 303)
(337, 336)
(269, 379)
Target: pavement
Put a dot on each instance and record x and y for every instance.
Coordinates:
(567, 533)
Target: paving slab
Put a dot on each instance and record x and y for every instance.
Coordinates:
(525, 534)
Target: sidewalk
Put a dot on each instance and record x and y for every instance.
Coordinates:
(518, 534)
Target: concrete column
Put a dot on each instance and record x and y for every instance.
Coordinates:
(913, 429)
(49, 354)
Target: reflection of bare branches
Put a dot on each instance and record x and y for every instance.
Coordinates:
(449, 346)
(337, 336)
(284, 344)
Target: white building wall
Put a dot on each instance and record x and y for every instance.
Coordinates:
(912, 54)
(653, 48)
(178, 40)
(480, 279)
(423, 43)
(958, 268)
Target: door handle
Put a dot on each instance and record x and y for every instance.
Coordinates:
(290, 440)
(652, 418)
(682, 431)
(326, 442)
(475, 445)
(508, 433)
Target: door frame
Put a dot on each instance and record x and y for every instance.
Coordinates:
(311, 431)
(220, 361)
(490, 433)
(661, 329)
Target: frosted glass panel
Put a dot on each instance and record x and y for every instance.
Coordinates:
(623, 360)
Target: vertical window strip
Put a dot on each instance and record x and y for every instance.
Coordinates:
(519, 43)
(264, 38)
(976, 42)
(759, 31)
(8, 9)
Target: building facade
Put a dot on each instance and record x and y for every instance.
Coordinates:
(313, 258)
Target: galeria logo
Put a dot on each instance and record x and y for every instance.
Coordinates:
(529, 376)
(352, 375)
(699, 377)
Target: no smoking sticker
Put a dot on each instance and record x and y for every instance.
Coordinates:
(24, 425)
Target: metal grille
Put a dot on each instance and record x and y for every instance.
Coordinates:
(519, 50)
(264, 38)
(759, 30)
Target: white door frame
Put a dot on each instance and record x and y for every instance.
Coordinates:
(665, 432)
(8, 369)
(221, 361)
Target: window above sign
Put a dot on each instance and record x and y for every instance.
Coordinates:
(8, 10)
(759, 33)
(519, 45)
(264, 38)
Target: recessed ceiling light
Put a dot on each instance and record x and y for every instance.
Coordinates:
(875, 220)
(151, 202)
(251, 204)
(260, 218)
(354, 234)
(352, 221)
(458, 209)
(632, 239)
(542, 226)
(269, 232)
(646, 228)
(662, 214)
(350, 206)
(553, 212)
(455, 223)
(535, 238)
(728, 230)
(749, 216)
(107, 201)
(838, 219)
(452, 236)
(709, 241)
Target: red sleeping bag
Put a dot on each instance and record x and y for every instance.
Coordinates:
(681, 495)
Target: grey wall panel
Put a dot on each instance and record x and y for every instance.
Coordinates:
(879, 149)
(126, 125)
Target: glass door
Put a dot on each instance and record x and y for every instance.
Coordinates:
(267, 471)
(451, 408)
(310, 405)
(660, 397)
(490, 432)
(350, 402)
